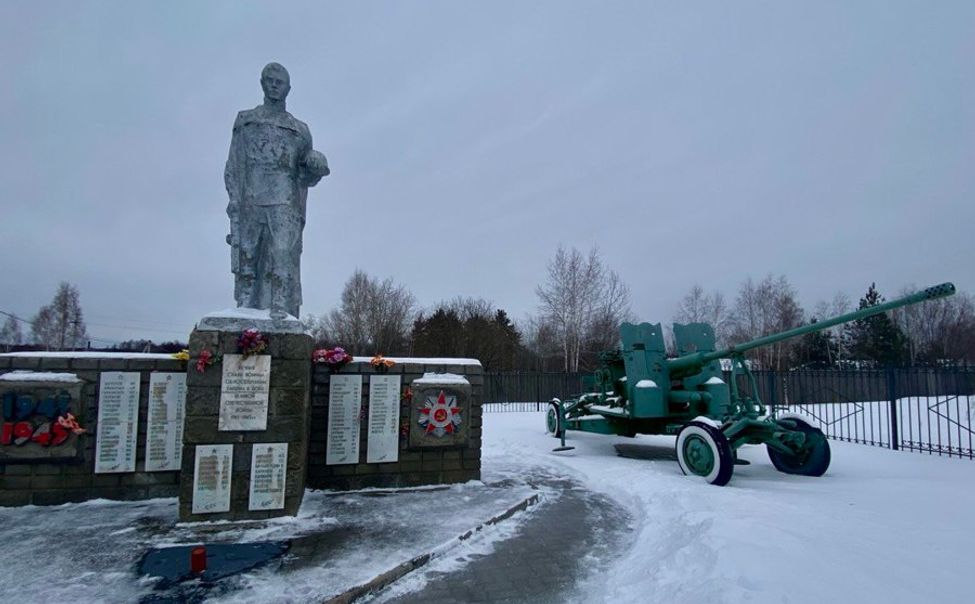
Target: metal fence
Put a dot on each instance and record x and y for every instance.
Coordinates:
(929, 410)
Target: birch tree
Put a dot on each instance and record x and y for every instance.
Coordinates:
(60, 325)
(374, 317)
(583, 301)
(698, 306)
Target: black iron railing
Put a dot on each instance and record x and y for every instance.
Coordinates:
(929, 410)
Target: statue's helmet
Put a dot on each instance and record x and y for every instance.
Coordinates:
(275, 81)
(316, 163)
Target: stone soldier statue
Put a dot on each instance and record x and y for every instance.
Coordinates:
(270, 168)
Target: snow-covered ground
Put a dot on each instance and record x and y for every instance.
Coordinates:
(88, 552)
(880, 526)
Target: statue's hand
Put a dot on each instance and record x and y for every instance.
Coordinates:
(316, 164)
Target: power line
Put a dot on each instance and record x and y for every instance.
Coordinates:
(13, 316)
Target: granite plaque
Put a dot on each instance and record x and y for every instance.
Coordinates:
(37, 408)
(164, 427)
(344, 408)
(440, 412)
(244, 392)
(118, 422)
(211, 478)
(269, 464)
(382, 440)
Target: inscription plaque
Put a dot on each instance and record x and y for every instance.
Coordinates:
(269, 463)
(211, 478)
(164, 427)
(118, 422)
(244, 392)
(344, 408)
(382, 441)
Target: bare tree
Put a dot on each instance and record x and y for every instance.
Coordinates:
(583, 301)
(761, 309)
(839, 305)
(697, 306)
(940, 329)
(374, 316)
(11, 334)
(60, 325)
(542, 342)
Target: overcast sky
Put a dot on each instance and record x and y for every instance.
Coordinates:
(833, 142)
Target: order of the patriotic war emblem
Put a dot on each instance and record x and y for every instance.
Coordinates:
(440, 415)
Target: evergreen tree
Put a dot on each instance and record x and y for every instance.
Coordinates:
(876, 338)
(440, 335)
(467, 328)
(814, 350)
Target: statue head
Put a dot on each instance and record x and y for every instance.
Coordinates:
(275, 81)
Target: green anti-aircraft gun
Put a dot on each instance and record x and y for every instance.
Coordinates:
(640, 391)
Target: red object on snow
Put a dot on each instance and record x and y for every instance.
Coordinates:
(198, 560)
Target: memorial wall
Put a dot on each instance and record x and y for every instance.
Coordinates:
(415, 422)
(128, 409)
(411, 437)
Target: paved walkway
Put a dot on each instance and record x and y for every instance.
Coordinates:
(568, 539)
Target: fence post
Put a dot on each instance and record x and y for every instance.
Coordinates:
(538, 392)
(772, 394)
(892, 414)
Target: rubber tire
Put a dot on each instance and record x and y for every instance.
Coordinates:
(724, 457)
(552, 417)
(815, 464)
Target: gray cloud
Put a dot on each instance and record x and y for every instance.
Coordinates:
(833, 143)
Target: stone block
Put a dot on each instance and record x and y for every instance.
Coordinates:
(409, 466)
(112, 365)
(106, 480)
(289, 428)
(170, 365)
(211, 377)
(288, 401)
(54, 364)
(17, 470)
(75, 469)
(290, 374)
(203, 430)
(167, 490)
(10, 498)
(121, 493)
(202, 401)
(31, 363)
(344, 470)
(59, 482)
(58, 497)
(296, 347)
(46, 469)
(455, 476)
(10, 483)
(146, 479)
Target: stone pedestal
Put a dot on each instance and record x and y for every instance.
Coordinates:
(288, 413)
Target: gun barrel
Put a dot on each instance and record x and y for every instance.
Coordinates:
(699, 359)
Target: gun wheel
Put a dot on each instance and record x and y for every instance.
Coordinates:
(703, 450)
(812, 460)
(552, 423)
